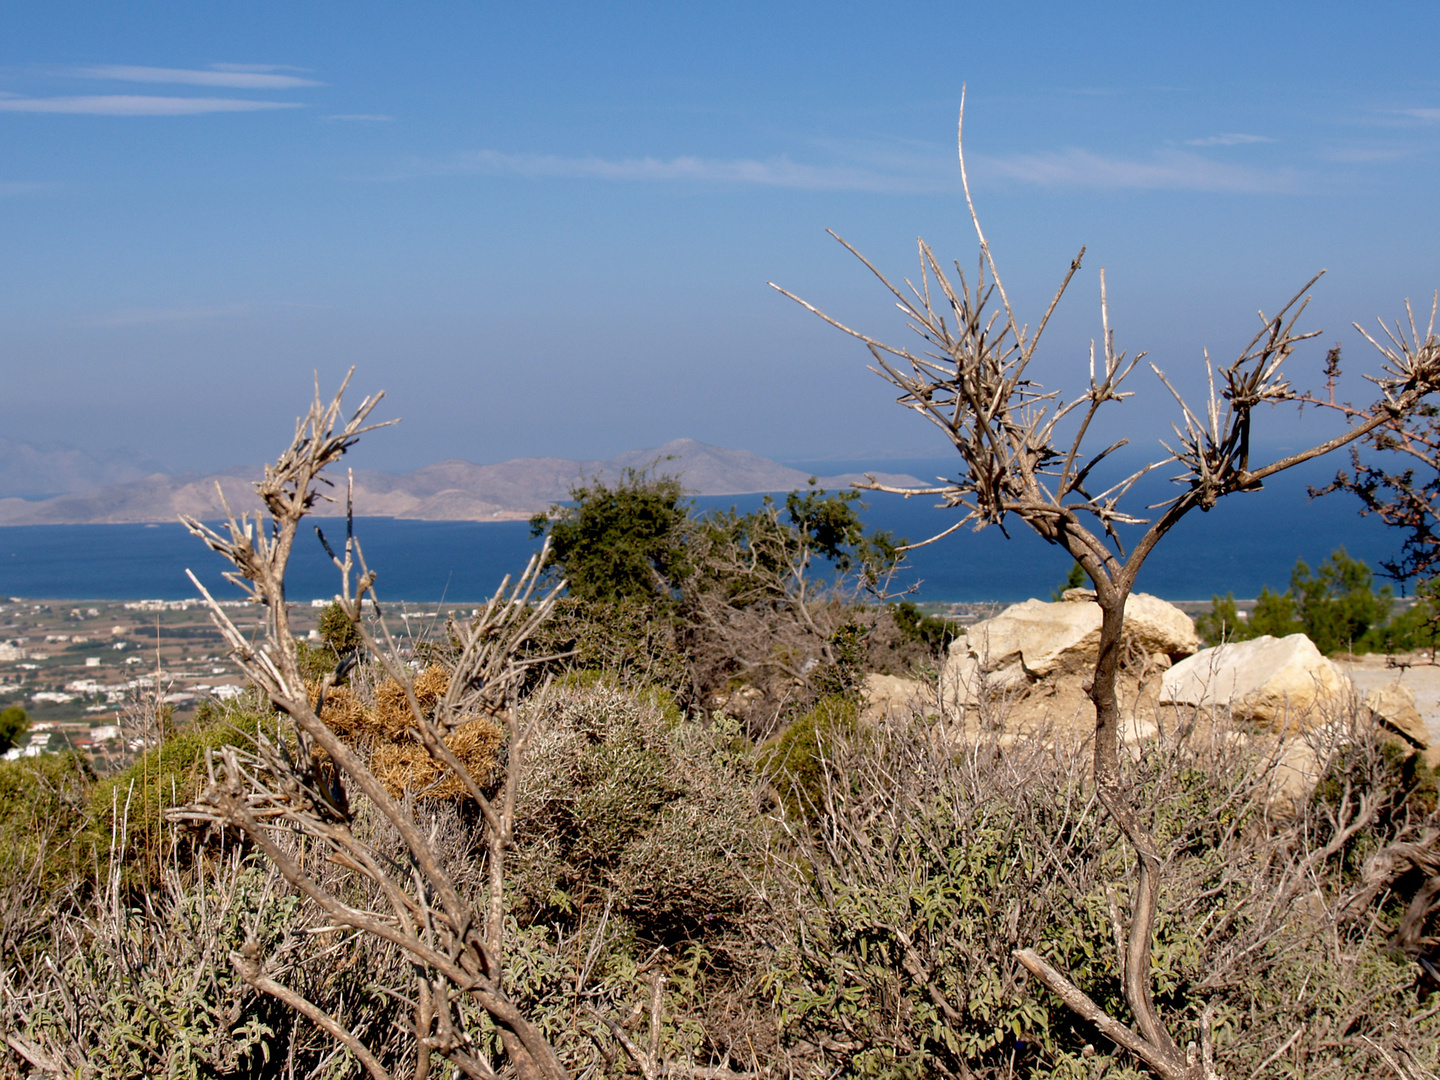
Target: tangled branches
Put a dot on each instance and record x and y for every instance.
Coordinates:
(302, 784)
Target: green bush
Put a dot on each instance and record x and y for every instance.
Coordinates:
(623, 799)
(621, 542)
(1222, 622)
(795, 763)
(337, 631)
(630, 639)
(13, 723)
(1336, 606)
(177, 1007)
(1075, 579)
(44, 819)
(934, 869)
(931, 631)
(171, 774)
(1417, 627)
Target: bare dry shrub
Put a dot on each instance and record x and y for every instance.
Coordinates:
(383, 732)
(392, 701)
(343, 712)
(406, 768)
(621, 807)
(929, 866)
(308, 781)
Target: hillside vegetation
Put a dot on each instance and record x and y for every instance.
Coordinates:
(718, 868)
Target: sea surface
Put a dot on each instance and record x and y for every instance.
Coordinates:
(1246, 542)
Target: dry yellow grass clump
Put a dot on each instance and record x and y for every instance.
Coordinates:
(384, 732)
(405, 766)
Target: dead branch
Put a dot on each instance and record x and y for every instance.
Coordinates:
(301, 786)
(970, 378)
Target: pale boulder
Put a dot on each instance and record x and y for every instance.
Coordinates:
(1158, 627)
(1300, 763)
(1034, 640)
(896, 696)
(1393, 705)
(1283, 683)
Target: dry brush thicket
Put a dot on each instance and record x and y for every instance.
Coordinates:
(469, 856)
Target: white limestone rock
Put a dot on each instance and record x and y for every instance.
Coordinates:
(1394, 706)
(896, 696)
(1283, 683)
(1036, 640)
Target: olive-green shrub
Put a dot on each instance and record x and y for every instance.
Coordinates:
(622, 802)
(930, 869)
(794, 763)
(133, 801)
(44, 819)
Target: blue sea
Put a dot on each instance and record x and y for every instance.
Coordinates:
(1248, 541)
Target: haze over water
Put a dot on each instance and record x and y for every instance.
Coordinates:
(1246, 542)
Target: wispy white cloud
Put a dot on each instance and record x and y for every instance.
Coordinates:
(232, 76)
(19, 188)
(169, 315)
(775, 172)
(881, 168)
(138, 105)
(1361, 154)
(1429, 116)
(1229, 139)
(372, 118)
(1173, 170)
(257, 67)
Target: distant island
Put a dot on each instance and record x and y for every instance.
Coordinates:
(446, 491)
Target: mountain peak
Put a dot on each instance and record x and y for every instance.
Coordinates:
(450, 490)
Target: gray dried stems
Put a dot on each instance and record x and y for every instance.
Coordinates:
(941, 863)
(766, 625)
(971, 380)
(1400, 482)
(301, 787)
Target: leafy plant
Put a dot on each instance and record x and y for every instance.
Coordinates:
(1336, 606)
(13, 722)
(795, 764)
(621, 541)
(44, 824)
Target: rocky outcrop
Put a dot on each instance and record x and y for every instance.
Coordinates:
(1393, 706)
(1282, 683)
(896, 696)
(1033, 642)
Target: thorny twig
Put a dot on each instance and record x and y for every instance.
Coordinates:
(971, 379)
(457, 952)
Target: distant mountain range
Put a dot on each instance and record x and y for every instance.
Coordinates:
(32, 472)
(447, 491)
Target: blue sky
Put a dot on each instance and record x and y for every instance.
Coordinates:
(547, 228)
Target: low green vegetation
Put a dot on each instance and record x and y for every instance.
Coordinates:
(842, 902)
(795, 763)
(132, 803)
(13, 722)
(1337, 606)
(816, 894)
(45, 825)
(766, 611)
